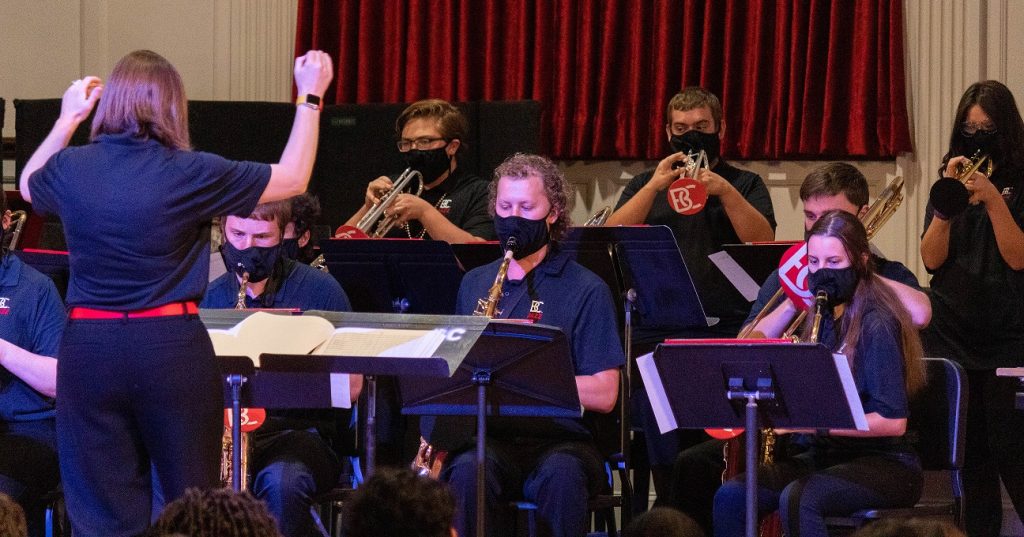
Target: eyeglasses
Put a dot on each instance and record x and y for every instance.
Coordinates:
(419, 143)
(970, 129)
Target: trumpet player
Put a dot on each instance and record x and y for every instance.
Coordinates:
(738, 209)
(298, 241)
(836, 186)
(292, 458)
(976, 260)
(453, 206)
(551, 462)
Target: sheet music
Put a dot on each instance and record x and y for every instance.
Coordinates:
(267, 333)
(736, 275)
(850, 390)
(390, 342)
(656, 393)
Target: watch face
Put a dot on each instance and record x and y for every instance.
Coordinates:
(313, 99)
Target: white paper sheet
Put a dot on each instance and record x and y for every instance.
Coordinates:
(656, 393)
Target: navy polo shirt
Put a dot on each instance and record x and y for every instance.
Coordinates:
(977, 299)
(31, 317)
(891, 270)
(137, 216)
(465, 203)
(304, 287)
(559, 292)
(704, 233)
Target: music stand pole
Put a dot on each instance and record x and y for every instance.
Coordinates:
(370, 429)
(236, 380)
(481, 378)
(763, 392)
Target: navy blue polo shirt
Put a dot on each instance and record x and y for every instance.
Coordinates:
(31, 317)
(303, 287)
(559, 292)
(703, 234)
(890, 270)
(137, 216)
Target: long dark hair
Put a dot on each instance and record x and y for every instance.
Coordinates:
(871, 293)
(996, 100)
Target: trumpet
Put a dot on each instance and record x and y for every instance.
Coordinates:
(878, 214)
(949, 195)
(18, 219)
(600, 217)
(378, 213)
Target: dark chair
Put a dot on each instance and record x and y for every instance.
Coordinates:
(937, 428)
(57, 523)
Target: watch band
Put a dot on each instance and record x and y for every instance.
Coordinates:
(309, 100)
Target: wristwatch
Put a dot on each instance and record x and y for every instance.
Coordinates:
(309, 100)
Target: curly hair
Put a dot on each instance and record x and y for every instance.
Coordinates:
(215, 513)
(556, 188)
(12, 518)
(400, 503)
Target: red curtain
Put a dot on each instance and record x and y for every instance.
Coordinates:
(797, 78)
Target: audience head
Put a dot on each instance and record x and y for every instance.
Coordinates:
(834, 186)
(144, 97)
(12, 518)
(531, 187)
(908, 527)
(215, 513)
(298, 237)
(400, 503)
(663, 522)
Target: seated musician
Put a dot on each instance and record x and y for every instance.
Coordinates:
(298, 242)
(292, 459)
(738, 209)
(453, 206)
(31, 322)
(551, 462)
(835, 186)
(843, 471)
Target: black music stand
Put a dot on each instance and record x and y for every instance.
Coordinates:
(395, 275)
(304, 381)
(758, 259)
(737, 384)
(475, 254)
(513, 370)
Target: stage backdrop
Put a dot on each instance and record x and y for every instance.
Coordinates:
(798, 78)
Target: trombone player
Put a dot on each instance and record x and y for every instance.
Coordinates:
(453, 206)
(976, 260)
(834, 186)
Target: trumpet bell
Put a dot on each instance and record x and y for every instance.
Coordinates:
(949, 197)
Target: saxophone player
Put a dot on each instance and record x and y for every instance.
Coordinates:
(293, 459)
(559, 470)
(834, 186)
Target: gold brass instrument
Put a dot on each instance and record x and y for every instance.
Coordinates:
(428, 461)
(227, 467)
(18, 219)
(600, 217)
(878, 214)
(949, 195)
(320, 264)
(378, 213)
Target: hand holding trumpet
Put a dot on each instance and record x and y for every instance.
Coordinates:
(978, 184)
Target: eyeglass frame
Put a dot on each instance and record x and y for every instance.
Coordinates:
(969, 129)
(420, 142)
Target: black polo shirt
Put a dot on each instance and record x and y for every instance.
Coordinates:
(465, 204)
(977, 299)
(703, 234)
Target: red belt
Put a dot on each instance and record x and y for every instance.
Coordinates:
(176, 308)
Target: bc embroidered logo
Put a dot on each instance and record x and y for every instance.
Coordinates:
(1007, 193)
(445, 206)
(535, 312)
(5, 307)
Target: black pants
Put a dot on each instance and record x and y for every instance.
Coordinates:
(994, 451)
(806, 489)
(135, 393)
(28, 466)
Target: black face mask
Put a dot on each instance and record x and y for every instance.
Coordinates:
(258, 261)
(982, 143)
(838, 284)
(290, 248)
(694, 141)
(430, 162)
(529, 235)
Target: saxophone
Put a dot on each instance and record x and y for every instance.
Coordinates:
(428, 461)
(227, 468)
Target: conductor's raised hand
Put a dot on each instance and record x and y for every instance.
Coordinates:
(80, 98)
(313, 73)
